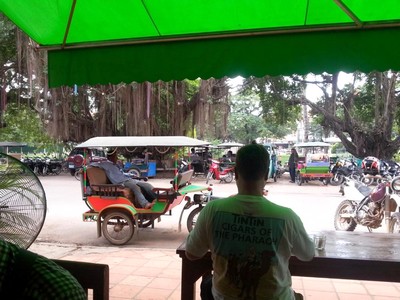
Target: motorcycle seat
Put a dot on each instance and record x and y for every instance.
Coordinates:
(363, 189)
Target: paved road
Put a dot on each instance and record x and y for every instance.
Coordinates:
(313, 202)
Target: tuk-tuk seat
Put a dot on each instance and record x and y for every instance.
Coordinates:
(101, 185)
(169, 194)
(184, 178)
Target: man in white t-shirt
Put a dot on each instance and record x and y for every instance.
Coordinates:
(250, 238)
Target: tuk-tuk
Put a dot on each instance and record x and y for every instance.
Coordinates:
(112, 206)
(314, 164)
(273, 161)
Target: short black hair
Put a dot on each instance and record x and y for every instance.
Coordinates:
(252, 162)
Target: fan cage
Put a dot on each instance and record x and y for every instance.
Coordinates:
(22, 202)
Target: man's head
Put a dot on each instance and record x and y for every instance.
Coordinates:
(252, 163)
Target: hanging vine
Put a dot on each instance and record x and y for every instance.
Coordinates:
(73, 114)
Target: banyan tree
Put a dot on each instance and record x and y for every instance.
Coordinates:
(197, 108)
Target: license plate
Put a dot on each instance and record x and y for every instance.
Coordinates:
(71, 166)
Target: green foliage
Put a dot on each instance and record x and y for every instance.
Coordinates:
(24, 125)
(276, 96)
(192, 87)
(7, 41)
(246, 122)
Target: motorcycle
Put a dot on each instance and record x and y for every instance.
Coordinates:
(29, 162)
(367, 207)
(375, 170)
(342, 169)
(393, 168)
(222, 173)
(39, 166)
(200, 200)
(200, 168)
(51, 166)
(281, 169)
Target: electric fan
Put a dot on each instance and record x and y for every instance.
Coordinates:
(22, 202)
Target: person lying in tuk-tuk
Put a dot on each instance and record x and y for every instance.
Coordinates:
(115, 175)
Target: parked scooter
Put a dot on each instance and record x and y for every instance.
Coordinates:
(345, 168)
(200, 200)
(280, 169)
(367, 207)
(219, 172)
(51, 166)
(38, 166)
(375, 170)
(29, 162)
(200, 167)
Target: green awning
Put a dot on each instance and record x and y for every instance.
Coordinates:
(97, 41)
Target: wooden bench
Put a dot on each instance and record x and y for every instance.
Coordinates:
(91, 276)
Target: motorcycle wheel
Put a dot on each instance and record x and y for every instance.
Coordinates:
(384, 179)
(209, 176)
(356, 176)
(229, 177)
(299, 180)
(192, 218)
(336, 180)
(367, 180)
(395, 184)
(78, 174)
(344, 224)
(118, 227)
(394, 224)
(57, 170)
(45, 171)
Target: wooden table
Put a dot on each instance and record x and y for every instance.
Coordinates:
(347, 255)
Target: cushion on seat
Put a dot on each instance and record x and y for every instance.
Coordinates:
(96, 176)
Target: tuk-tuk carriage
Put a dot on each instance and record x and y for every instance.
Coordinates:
(112, 206)
(315, 164)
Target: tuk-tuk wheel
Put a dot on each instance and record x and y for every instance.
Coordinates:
(192, 218)
(299, 180)
(118, 227)
(134, 172)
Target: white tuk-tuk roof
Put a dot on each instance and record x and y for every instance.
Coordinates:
(312, 144)
(230, 145)
(142, 141)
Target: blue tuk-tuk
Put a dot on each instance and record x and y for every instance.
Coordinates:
(273, 161)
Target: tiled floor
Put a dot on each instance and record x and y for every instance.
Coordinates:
(154, 274)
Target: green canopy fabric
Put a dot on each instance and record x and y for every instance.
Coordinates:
(98, 42)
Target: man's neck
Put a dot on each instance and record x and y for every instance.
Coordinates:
(251, 188)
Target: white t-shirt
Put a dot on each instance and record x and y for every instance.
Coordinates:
(251, 240)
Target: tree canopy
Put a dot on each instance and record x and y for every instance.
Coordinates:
(364, 113)
(196, 108)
